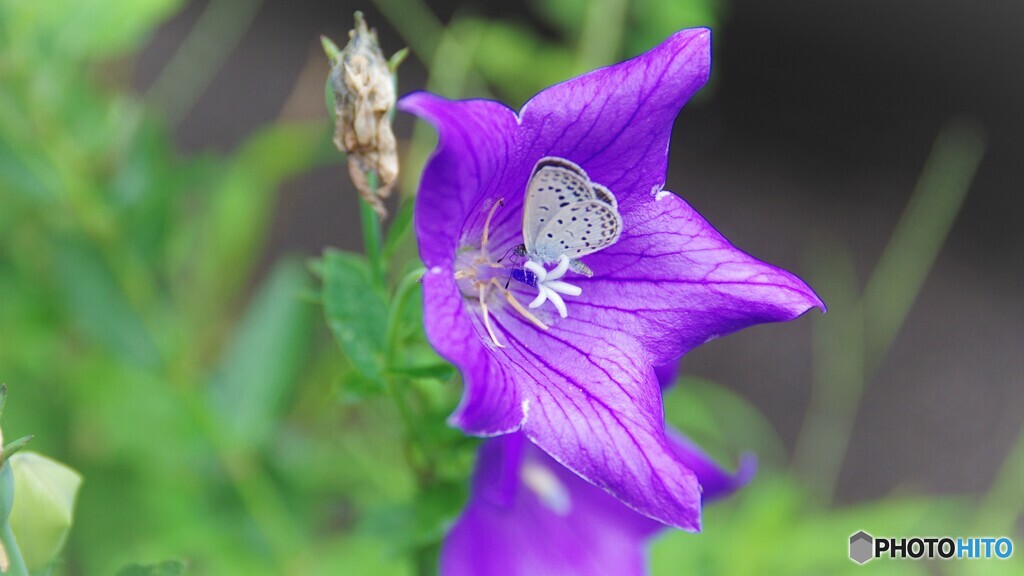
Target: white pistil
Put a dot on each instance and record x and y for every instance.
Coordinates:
(550, 285)
(551, 492)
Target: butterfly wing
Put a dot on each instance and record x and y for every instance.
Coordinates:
(555, 184)
(604, 195)
(579, 229)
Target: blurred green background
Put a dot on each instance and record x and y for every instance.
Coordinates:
(167, 186)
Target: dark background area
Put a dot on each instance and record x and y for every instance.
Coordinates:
(818, 121)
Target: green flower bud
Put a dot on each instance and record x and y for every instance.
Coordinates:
(44, 502)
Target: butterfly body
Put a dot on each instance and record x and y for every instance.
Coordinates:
(565, 217)
(575, 264)
(565, 214)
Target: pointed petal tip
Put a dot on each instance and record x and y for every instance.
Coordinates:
(693, 524)
(696, 42)
(700, 34)
(811, 300)
(415, 102)
(482, 425)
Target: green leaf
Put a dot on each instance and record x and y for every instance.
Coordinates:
(356, 311)
(518, 61)
(267, 353)
(399, 228)
(437, 371)
(241, 206)
(655, 20)
(99, 307)
(782, 531)
(566, 15)
(359, 554)
(85, 28)
(722, 422)
(167, 568)
(354, 387)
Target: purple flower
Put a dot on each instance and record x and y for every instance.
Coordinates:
(528, 515)
(562, 345)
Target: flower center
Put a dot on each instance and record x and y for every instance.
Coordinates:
(478, 275)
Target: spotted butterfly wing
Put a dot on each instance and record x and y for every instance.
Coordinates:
(604, 195)
(578, 230)
(555, 184)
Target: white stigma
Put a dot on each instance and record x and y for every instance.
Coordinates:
(551, 492)
(550, 285)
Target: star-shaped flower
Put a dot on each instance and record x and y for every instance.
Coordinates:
(529, 516)
(582, 387)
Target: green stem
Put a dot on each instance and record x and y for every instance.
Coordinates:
(838, 363)
(372, 236)
(602, 33)
(851, 345)
(265, 505)
(915, 243)
(427, 558)
(1004, 503)
(17, 563)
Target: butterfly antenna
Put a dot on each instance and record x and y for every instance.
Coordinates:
(505, 255)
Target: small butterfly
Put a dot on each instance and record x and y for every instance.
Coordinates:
(565, 214)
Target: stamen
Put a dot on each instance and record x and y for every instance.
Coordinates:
(487, 224)
(519, 307)
(487, 316)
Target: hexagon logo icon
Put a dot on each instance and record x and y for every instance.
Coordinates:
(861, 547)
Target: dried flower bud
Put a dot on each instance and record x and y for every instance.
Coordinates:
(44, 502)
(364, 98)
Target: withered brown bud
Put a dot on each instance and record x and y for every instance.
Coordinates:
(364, 97)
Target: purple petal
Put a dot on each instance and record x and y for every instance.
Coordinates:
(715, 482)
(553, 524)
(667, 374)
(527, 515)
(475, 139)
(616, 121)
(491, 402)
(593, 403)
(675, 283)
